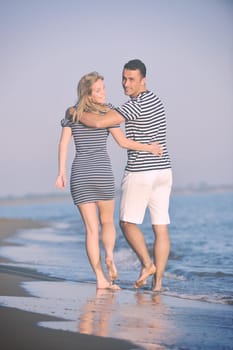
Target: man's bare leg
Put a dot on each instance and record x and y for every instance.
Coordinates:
(137, 242)
(161, 253)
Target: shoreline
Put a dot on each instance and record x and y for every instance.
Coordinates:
(63, 314)
(19, 329)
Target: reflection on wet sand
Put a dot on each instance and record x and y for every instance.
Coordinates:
(147, 322)
(96, 313)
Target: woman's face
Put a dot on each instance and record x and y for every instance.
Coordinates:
(98, 92)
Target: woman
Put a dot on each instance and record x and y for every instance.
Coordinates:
(92, 180)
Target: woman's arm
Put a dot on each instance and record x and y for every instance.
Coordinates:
(124, 142)
(62, 157)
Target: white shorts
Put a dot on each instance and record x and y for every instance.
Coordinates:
(143, 189)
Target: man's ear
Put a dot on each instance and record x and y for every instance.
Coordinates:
(143, 81)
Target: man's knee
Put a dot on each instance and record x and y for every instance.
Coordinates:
(122, 224)
(125, 225)
(160, 229)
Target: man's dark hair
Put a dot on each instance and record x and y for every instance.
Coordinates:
(136, 64)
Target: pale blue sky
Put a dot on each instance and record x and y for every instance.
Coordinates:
(46, 46)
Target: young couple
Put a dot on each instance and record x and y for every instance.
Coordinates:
(147, 179)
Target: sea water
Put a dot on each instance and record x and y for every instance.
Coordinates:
(200, 265)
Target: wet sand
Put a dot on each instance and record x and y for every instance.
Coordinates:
(37, 312)
(19, 329)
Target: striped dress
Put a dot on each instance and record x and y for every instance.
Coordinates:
(91, 177)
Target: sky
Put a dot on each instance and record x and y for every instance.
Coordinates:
(47, 46)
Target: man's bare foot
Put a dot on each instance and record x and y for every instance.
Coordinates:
(112, 270)
(146, 272)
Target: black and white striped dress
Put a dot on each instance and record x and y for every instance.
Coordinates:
(91, 173)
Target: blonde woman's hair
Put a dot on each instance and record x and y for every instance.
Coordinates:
(85, 104)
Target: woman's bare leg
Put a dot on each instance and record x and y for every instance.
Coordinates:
(90, 219)
(108, 234)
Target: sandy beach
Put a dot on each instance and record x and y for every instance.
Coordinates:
(19, 329)
(38, 312)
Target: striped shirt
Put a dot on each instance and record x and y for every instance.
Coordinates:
(145, 122)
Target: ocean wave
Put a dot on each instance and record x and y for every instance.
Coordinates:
(213, 299)
(212, 274)
(173, 276)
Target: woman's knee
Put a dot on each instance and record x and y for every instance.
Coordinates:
(106, 219)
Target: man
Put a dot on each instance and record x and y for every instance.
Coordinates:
(148, 178)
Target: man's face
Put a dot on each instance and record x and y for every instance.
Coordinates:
(133, 83)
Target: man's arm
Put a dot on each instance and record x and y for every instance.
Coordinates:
(102, 121)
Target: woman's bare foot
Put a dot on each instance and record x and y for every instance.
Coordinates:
(112, 270)
(107, 285)
(144, 283)
(156, 284)
(114, 287)
(146, 272)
